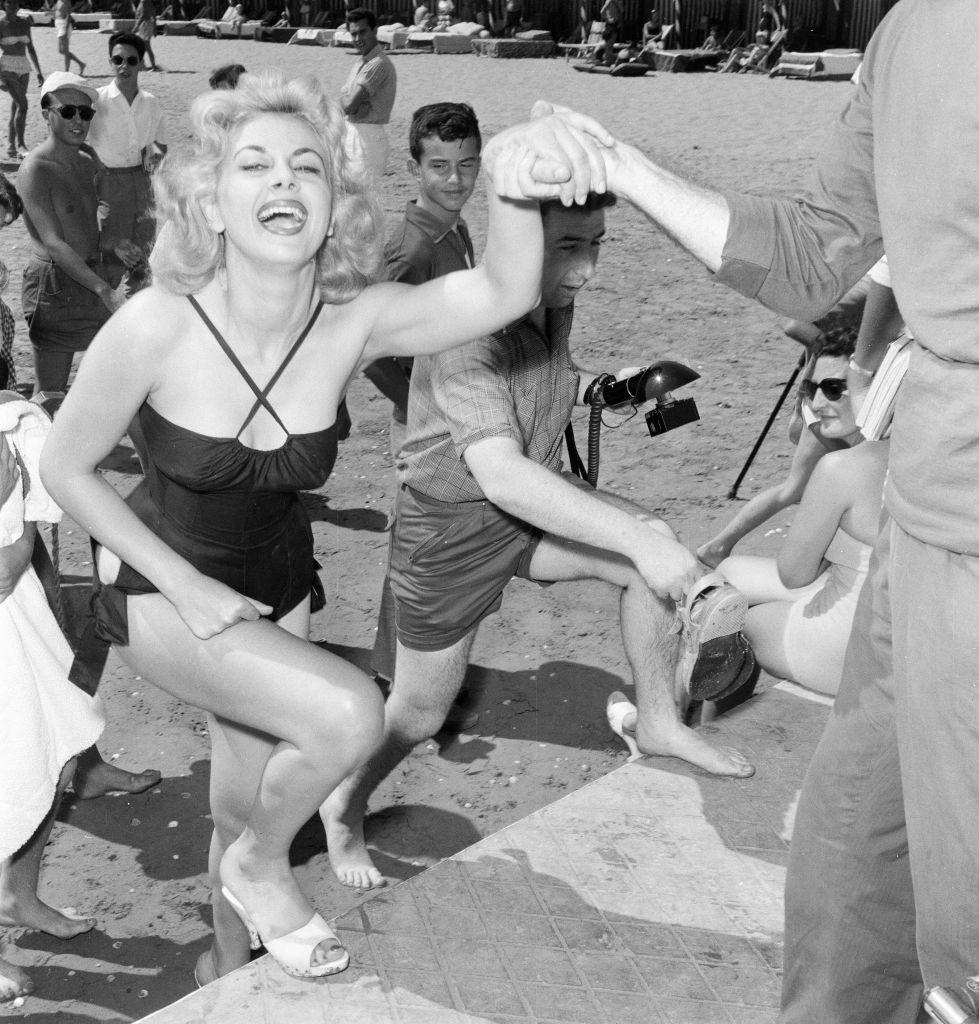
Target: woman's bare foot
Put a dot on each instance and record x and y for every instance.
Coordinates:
(347, 850)
(712, 554)
(674, 739)
(94, 778)
(272, 900)
(29, 911)
(204, 970)
(14, 983)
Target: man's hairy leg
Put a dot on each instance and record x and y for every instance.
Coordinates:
(651, 645)
(425, 685)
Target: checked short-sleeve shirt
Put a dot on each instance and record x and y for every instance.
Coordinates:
(517, 383)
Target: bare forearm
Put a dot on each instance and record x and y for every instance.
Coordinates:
(101, 512)
(514, 251)
(14, 560)
(66, 259)
(697, 218)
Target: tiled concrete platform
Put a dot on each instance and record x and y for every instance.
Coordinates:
(653, 895)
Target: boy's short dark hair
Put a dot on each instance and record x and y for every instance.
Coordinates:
(127, 39)
(593, 201)
(451, 122)
(362, 14)
(226, 76)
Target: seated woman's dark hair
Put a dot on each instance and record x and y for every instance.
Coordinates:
(838, 341)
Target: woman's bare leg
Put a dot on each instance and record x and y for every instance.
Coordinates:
(321, 716)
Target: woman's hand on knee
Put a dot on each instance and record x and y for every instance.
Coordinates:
(208, 607)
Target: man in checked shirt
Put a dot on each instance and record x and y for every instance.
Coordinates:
(482, 499)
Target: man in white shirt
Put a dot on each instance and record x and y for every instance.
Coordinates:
(129, 138)
(367, 97)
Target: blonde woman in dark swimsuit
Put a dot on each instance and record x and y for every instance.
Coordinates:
(235, 362)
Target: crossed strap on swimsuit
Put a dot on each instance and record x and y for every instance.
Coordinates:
(261, 394)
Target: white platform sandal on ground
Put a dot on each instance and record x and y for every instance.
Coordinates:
(294, 951)
(712, 649)
(617, 709)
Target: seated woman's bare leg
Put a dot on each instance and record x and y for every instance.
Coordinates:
(299, 720)
(14, 983)
(765, 629)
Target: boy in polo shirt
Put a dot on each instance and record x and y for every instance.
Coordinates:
(432, 239)
(129, 137)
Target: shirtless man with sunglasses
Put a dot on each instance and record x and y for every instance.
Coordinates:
(65, 300)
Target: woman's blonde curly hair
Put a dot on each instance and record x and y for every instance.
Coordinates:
(188, 250)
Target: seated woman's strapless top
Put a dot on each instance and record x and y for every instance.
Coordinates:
(844, 549)
(232, 511)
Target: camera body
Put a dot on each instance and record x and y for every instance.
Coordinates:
(655, 383)
(668, 415)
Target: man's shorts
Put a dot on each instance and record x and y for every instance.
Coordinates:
(61, 314)
(62, 27)
(449, 565)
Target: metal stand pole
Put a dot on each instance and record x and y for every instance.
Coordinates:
(733, 492)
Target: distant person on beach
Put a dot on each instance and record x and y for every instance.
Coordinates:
(62, 28)
(611, 15)
(65, 297)
(803, 601)
(482, 499)
(47, 719)
(432, 238)
(205, 572)
(16, 47)
(145, 28)
(10, 209)
(367, 97)
(226, 76)
(882, 892)
(129, 135)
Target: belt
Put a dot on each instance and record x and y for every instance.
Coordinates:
(122, 170)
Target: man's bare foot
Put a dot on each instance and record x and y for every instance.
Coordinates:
(347, 849)
(14, 983)
(30, 911)
(95, 778)
(674, 739)
(272, 901)
(712, 554)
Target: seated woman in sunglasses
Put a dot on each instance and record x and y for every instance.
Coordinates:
(803, 601)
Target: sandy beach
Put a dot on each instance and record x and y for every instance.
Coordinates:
(543, 667)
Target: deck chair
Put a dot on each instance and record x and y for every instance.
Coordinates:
(735, 37)
(584, 50)
(766, 61)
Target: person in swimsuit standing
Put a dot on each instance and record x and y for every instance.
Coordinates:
(15, 71)
(263, 271)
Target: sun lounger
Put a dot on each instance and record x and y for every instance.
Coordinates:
(825, 64)
(312, 37)
(510, 48)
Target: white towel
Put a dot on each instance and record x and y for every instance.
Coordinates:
(25, 426)
(48, 720)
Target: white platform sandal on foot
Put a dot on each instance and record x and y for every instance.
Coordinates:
(294, 951)
(617, 709)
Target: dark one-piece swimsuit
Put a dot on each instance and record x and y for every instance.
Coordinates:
(233, 512)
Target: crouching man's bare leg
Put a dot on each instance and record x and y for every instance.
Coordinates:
(651, 644)
(425, 686)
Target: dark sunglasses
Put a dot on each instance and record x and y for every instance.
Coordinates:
(69, 110)
(119, 60)
(834, 388)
